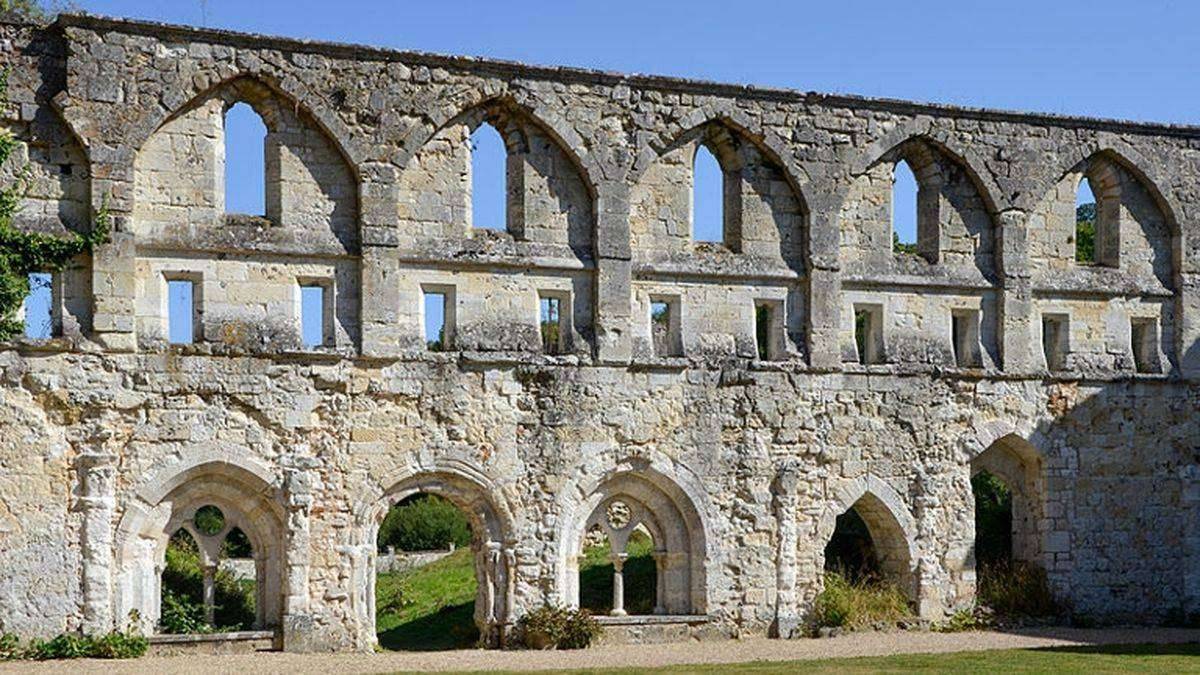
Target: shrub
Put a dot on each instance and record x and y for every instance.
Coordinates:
(976, 618)
(1016, 589)
(558, 627)
(424, 523)
(858, 604)
(114, 645)
(183, 593)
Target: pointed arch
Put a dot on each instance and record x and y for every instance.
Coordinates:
(1018, 464)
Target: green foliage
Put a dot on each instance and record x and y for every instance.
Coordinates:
(1085, 233)
(424, 523)
(559, 627)
(850, 551)
(1016, 589)
(209, 520)
(976, 618)
(237, 545)
(114, 645)
(639, 574)
(183, 593)
(993, 519)
(859, 604)
(36, 10)
(430, 607)
(22, 253)
(901, 247)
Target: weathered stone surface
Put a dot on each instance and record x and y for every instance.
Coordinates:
(737, 466)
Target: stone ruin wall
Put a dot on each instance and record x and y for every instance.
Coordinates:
(739, 466)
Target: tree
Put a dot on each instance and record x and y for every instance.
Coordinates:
(23, 253)
(36, 10)
(1085, 232)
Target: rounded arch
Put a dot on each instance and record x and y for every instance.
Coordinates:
(492, 531)
(675, 511)
(889, 522)
(247, 495)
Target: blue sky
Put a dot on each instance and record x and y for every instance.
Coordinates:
(1100, 58)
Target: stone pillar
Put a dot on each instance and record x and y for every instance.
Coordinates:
(210, 588)
(787, 611)
(379, 296)
(618, 603)
(1016, 321)
(97, 472)
(297, 623)
(114, 274)
(614, 275)
(660, 584)
(824, 284)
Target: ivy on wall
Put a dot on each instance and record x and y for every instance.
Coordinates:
(23, 253)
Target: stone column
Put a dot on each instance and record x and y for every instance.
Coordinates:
(97, 500)
(787, 614)
(379, 296)
(297, 623)
(614, 275)
(210, 588)
(618, 603)
(824, 285)
(1016, 321)
(660, 584)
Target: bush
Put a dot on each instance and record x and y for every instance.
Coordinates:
(558, 627)
(858, 604)
(976, 618)
(1016, 589)
(183, 594)
(114, 645)
(424, 523)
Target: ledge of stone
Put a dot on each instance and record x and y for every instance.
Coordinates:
(194, 638)
(652, 619)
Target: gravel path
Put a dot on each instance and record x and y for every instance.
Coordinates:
(640, 656)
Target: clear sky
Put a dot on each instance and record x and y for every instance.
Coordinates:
(1105, 58)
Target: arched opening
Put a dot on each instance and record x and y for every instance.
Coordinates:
(1085, 223)
(209, 577)
(637, 547)
(426, 583)
(464, 596)
(708, 197)
(1006, 489)
(618, 574)
(245, 161)
(489, 179)
(185, 535)
(904, 208)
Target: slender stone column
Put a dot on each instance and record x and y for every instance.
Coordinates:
(660, 583)
(97, 472)
(297, 623)
(210, 590)
(787, 618)
(618, 602)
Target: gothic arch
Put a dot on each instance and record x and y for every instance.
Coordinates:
(673, 514)
(890, 523)
(492, 531)
(248, 496)
(1018, 464)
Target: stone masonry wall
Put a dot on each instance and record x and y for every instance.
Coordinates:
(737, 465)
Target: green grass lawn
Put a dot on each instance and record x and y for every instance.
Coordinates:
(432, 607)
(1083, 660)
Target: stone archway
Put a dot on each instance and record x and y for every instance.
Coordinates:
(166, 505)
(656, 503)
(1017, 464)
(491, 544)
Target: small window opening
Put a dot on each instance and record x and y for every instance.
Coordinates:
(316, 315)
(664, 326)
(489, 179)
(868, 333)
(1055, 340)
(438, 318)
(965, 336)
(39, 305)
(245, 161)
(1143, 337)
(768, 329)
(181, 311)
(552, 323)
(708, 198)
(1085, 224)
(904, 209)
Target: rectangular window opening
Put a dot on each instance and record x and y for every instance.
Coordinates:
(1143, 337)
(181, 311)
(664, 326)
(768, 329)
(316, 314)
(965, 337)
(438, 318)
(39, 306)
(1055, 340)
(552, 323)
(868, 333)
